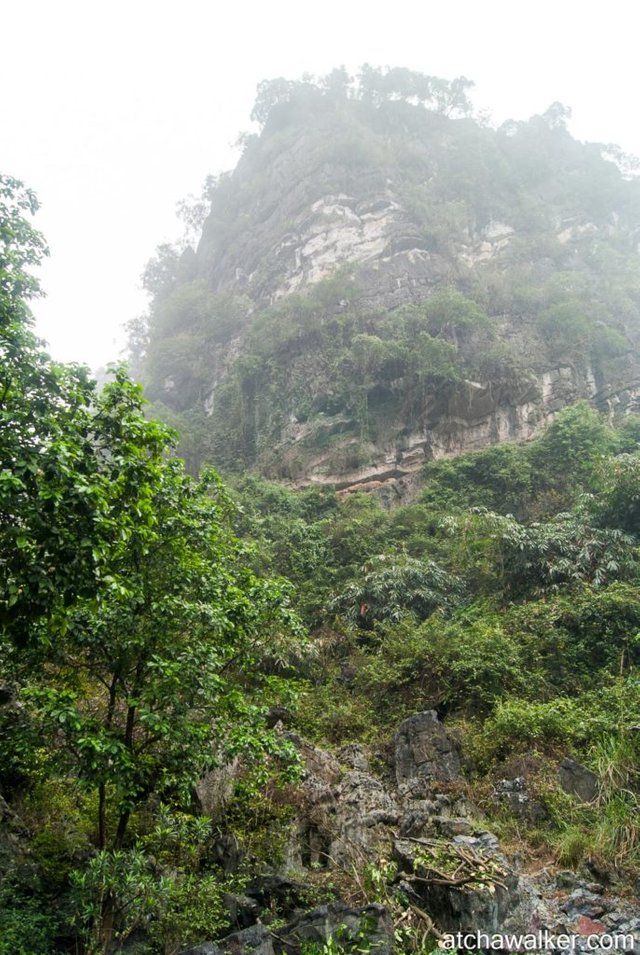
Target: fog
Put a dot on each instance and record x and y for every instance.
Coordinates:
(115, 112)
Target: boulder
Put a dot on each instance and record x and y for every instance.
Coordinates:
(583, 902)
(362, 806)
(275, 893)
(354, 756)
(215, 788)
(577, 780)
(370, 926)
(423, 749)
(514, 793)
(469, 899)
(243, 911)
(207, 948)
(256, 940)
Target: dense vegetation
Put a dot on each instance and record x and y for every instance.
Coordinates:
(522, 629)
(154, 626)
(138, 648)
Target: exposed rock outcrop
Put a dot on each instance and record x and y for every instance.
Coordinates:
(401, 197)
(370, 924)
(423, 749)
(577, 780)
(448, 868)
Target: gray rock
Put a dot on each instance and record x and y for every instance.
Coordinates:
(371, 924)
(448, 828)
(275, 891)
(482, 906)
(354, 756)
(337, 919)
(256, 940)
(595, 887)
(416, 819)
(481, 841)
(566, 879)
(583, 902)
(243, 911)
(577, 780)
(227, 851)
(216, 786)
(423, 749)
(363, 806)
(13, 834)
(461, 908)
(514, 794)
(207, 948)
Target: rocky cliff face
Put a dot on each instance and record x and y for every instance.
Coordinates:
(343, 221)
(440, 872)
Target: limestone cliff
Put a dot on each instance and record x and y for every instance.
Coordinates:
(379, 283)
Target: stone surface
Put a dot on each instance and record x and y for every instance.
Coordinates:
(207, 948)
(307, 198)
(423, 749)
(354, 756)
(583, 902)
(216, 786)
(370, 925)
(256, 940)
(515, 794)
(243, 910)
(481, 905)
(577, 780)
(364, 808)
(348, 816)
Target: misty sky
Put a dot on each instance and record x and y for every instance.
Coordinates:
(114, 111)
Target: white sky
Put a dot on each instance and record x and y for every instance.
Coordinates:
(114, 111)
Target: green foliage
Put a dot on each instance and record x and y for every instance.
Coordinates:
(450, 311)
(21, 247)
(138, 683)
(162, 887)
(618, 500)
(344, 941)
(529, 236)
(139, 649)
(466, 663)
(47, 503)
(142, 646)
(573, 444)
(115, 884)
(372, 85)
(27, 927)
(390, 586)
(500, 478)
(192, 910)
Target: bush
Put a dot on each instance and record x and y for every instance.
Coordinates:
(27, 926)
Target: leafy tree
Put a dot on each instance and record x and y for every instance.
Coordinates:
(574, 443)
(618, 501)
(47, 504)
(450, 312)
(21, 247)
(132, 628)
(390, 586)
(139, 686)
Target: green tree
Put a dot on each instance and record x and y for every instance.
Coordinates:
(135, 635)
(142, 687)
(390, 586)
(47, 501)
